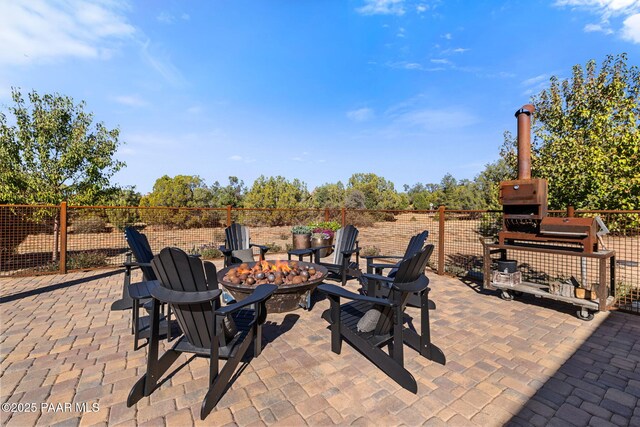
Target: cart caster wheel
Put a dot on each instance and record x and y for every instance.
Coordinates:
(505, 295)
(584, 315)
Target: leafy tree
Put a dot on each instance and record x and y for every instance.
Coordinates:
(587, 137)
(378, 192)
(54, 152)
(229, 195)
(121, 218)
(276, 192)
(180, 191)
(488, 183)
(355, 200)
(329, 195)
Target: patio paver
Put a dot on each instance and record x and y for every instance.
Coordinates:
(523, 363)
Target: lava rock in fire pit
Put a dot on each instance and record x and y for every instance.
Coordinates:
(278, 272)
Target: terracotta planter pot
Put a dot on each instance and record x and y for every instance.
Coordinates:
(322, 242)
(302, 241)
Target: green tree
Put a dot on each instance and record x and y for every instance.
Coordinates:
(54, 152)
(121, 218)
(229, 195)
(329, 196)
(378, 192)
(181, 191)
(488, 183)
(587, 137)
(276, 192)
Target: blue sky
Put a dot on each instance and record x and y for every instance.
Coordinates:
(315, 90)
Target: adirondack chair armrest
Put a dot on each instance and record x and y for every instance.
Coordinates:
(374, 257)
(260, 294)
(263, 248)
(130, 264)
(377, 277)
(419, 285)
(178, 297)
(225, 251)
(351, 251)
(343, 293)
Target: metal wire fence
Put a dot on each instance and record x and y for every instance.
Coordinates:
(52, 239)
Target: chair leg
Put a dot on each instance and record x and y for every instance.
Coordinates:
(155, 366)
(336, 333)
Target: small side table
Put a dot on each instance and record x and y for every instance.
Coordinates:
(301, 253)
(140, 292)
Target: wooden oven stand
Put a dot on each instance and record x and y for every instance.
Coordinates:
(605, 291)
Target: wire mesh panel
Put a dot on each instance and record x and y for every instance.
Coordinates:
(384, 232)
(29, 239)
(272, 227)
(624, 238)
(32, 238)
(464, 232)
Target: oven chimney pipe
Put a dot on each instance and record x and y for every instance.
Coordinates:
(524, 141)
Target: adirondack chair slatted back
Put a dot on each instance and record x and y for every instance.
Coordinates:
(237, 237)
(409, 271)
(139, 245)
(344, 240)
(415, 244)
(179, 272)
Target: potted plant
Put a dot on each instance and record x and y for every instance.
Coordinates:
(301, 237)
(322, 237)
(329, 228)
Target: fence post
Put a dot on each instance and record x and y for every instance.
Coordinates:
(228, 215)
(344, 217)
(63, 238)
(571, 211)
(441, 240)
(326, 214)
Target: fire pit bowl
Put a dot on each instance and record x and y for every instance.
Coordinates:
(294, 289)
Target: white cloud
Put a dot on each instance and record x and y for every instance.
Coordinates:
(440, 61)
(130, 100)
(606, 10)
(631, 28)
(382, 7)
(360, 115)
(447, 36)
(238, 158)
(165, 18)
(421, 8)
(536, 80)
(46, 30)
(597, 28)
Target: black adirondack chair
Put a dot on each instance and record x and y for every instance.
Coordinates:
(238, 244)
(369, 323)
(190, 286)
(416, 243)
(141, 250)
(346, 244)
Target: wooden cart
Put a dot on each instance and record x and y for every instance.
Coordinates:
(605, 291)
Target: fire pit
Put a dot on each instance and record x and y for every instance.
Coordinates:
(296, 281)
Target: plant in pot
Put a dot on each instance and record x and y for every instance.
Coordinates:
(322, 237)
(301, 237)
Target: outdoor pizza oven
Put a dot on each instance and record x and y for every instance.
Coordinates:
(524, 200)
(524, 203)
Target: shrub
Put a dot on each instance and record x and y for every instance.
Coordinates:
(300, 229)
(370, 251)
(89, 224)
(206, 251)
(331, 225)
(86, 259)
(274, 247)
